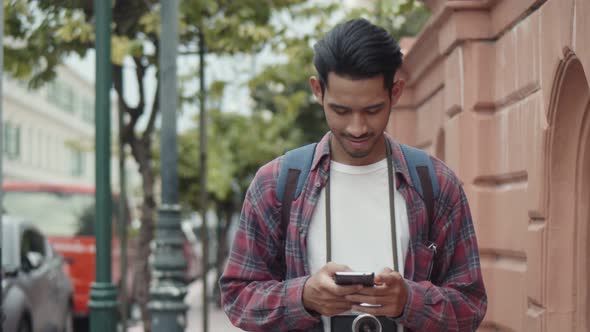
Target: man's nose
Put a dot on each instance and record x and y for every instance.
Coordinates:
(357, 126)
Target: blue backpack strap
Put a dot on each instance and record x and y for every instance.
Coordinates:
(297, 159)
(293, 173)
(423, 176)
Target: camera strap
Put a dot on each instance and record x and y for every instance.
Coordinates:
(391, 209)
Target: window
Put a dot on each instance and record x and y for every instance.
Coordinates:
(45, 149)
(6, 132)
(39, 155)
(77, 163)
(61, 95)
(87, 110)
(12, 140)
(53, 92)
(32, 243)
(30, 145)
(68, 99)
(51, 152)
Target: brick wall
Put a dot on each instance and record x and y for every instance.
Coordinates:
(499, 91)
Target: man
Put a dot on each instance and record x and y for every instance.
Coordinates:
(281, 278)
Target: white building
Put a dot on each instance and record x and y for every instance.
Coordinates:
(49, 132)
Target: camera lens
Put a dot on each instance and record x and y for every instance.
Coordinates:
(366, 323)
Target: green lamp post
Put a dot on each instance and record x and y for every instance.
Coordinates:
(103, 294)
(1, 145)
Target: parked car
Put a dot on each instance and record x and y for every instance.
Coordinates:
(66, 215)
(37, 294)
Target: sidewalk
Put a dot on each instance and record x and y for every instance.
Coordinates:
(218, 321)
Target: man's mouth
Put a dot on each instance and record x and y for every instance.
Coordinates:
(358, 143)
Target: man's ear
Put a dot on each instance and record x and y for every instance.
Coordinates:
(396, 91)
(316, 88)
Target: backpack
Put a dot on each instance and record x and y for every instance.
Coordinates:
(296, 165)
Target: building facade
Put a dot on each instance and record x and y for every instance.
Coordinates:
(49, 132)
(498, 89)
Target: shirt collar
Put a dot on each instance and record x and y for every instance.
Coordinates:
(322, 156)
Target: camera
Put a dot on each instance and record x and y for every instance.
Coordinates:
(362, 323)
(366, 323)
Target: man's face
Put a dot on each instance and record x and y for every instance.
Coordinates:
(357, 112)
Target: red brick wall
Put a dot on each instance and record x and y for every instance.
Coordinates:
(499, 90)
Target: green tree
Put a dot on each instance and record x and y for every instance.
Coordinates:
(402, 18)
(284, 87)
(40, 34)
(238, 144)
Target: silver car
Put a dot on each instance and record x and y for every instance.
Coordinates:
(36, 292)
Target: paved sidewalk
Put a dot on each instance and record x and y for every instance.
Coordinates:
(218, 321)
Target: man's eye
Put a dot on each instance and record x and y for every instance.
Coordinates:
(373, 111)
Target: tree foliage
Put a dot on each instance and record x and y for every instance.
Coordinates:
(41, 33)
(284, 113)
(401, 18)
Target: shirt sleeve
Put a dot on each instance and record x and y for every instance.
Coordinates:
(254, 294)
(456, 299)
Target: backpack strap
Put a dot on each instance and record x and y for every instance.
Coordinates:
(293, 173)
(423, 177)
(296, 165)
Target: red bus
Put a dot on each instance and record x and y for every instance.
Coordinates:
(66, 216)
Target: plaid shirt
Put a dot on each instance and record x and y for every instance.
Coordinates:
(262, 285)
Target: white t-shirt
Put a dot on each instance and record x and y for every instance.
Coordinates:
(361, 226)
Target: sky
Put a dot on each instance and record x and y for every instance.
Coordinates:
(236, 70)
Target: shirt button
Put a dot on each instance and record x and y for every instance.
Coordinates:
(317, 184)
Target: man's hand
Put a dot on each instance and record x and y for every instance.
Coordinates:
(390, 291)
(322, 295)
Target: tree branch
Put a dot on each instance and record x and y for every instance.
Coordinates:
(140, 74)
(155, 108)
(118, 83)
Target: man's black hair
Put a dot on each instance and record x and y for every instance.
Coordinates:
(357, 49)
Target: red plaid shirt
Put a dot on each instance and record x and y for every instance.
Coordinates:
(262, 285)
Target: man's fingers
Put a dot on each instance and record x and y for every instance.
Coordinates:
(379, 291)
(332, 268)
(329, 285)
(331, 311)
(385, 310)
(356, 298)
(341, 291)
(388, 278)
(386, 270)
(340, 305)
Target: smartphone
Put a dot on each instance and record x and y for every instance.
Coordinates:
(355, 278)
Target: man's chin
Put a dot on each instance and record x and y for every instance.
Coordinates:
(358, 154)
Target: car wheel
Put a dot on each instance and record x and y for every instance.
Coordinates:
(69, 323)
(24, 325)
(82, 324)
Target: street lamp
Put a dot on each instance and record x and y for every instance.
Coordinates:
(103, 295)
(168, 289)
(1, 150)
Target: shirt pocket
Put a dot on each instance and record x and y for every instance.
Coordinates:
(424, 261)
